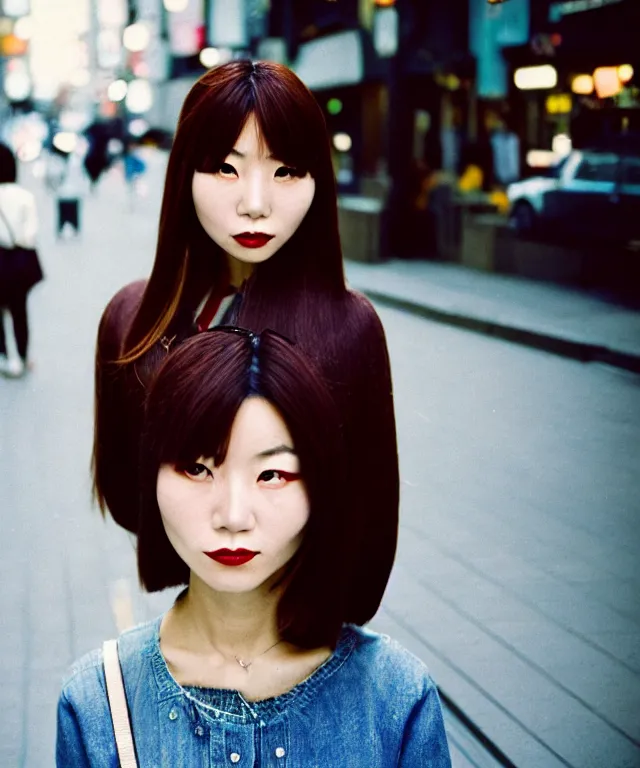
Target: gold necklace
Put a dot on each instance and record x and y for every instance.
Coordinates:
(246, 664)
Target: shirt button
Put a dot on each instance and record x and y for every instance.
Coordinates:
(280, 752)
(173, 714)
(199, 730)
(234, 757)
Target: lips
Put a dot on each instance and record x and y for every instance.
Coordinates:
(231, 556)
(252, 239)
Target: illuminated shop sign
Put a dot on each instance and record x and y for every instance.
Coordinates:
(558, 10)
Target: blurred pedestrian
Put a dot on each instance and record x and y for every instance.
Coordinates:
(69, 181)
(19, 265)
(243, 460)
(134, 168)
(98, 158)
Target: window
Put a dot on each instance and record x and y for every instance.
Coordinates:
(597, 168)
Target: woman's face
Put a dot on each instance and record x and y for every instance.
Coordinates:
(253, 204)
(237, 525)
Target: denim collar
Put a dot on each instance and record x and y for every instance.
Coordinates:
(224, 704)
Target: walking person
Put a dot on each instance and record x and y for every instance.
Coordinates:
(134, 168)
(243, 461)
(69, 181)
(19, 266)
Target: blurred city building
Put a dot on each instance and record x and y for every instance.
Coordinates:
(433, 107)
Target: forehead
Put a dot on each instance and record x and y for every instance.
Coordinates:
(251, 140)
(258, 426)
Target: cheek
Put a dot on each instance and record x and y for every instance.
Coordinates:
(298, 514)
(297, 206)
(209, 200)
(172, 499)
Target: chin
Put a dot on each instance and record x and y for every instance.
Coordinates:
(255, 256)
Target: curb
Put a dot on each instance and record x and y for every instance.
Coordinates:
(584, 352)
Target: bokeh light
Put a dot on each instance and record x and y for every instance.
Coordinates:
(136, 37)
(210, 57)
(65, 141)
(342, 142)
(139, 96)
(117, 90)
(582, 85)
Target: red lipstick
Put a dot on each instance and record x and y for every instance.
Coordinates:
(231, 556)
(252, 239)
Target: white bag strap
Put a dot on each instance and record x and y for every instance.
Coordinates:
(118, 705)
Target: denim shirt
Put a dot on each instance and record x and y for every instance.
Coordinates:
(371, 704)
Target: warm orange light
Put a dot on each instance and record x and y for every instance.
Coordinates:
(11, 45)
(582, 84)
(625, 72)
(607, 82)
(384, 3)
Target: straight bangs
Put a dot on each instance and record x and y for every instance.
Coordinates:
(290, 120)
(191, 412)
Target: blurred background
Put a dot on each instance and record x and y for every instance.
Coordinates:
(487, 156)
(435, 109)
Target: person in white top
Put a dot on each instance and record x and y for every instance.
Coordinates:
(70, 182)
(18, 226)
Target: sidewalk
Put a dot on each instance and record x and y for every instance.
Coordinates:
(560, 319)
(521, 591)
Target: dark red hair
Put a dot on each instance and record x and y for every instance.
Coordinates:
(190, 411)
(299, 292)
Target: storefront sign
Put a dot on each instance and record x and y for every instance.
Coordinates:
(385, 32)
(492, 28)
(186, 29)
(332, 60)
(558, 10)
(228, 24)
(16, 7)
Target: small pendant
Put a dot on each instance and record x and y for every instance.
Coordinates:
(244, 664)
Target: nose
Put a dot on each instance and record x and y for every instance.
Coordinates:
(232, 510)
(255, 199)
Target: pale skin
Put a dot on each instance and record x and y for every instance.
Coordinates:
(253, 191)
(254, 500)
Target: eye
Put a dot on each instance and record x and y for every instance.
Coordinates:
(288, 172)
(227, 170)
(276, 478)
(195, 471)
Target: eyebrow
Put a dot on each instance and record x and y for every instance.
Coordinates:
(276, 451)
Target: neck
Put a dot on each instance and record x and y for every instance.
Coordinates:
(239, 271)
(242, 625)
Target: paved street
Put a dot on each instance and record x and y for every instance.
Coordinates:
(517, 577)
